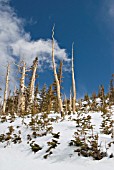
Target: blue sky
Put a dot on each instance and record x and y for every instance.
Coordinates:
(87, 23)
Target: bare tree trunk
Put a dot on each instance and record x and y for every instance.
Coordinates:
(73, 82)
(70, 104)
(60, 73)
(32, 83)
(56, 77)
(6, 89)
(66, 105)
(21, 100)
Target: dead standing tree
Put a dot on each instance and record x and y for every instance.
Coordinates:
(73, 83)
(70, 102)
(6, 89)
(33, 78)
(65, 103)
(21, 98)
(56, 77)
(32, 83)
(60, 73)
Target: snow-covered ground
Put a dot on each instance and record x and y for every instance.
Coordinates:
(21, 157)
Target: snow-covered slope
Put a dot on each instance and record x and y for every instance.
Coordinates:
(20, 156)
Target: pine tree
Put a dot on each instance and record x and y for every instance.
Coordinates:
(43, 100)
(94, 96)
(111, 92)
(86, 97)
(49, 98)
(101, 92)
(10, 105)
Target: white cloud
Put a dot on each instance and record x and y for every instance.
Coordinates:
(41, 48)
(15, 43)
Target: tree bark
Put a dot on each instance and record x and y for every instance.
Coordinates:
(73, 82)
(32, 83)
(55, 75)
(70, 104)
(6, 89)
(21, 99)
(66, 105)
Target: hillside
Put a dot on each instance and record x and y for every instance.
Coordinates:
(83, 140)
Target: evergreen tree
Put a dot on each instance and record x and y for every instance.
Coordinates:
(12, 103)
(42, 99)
(86, 97)
(94, 96)
(101, 92)
(49, 98)
(111, 91)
